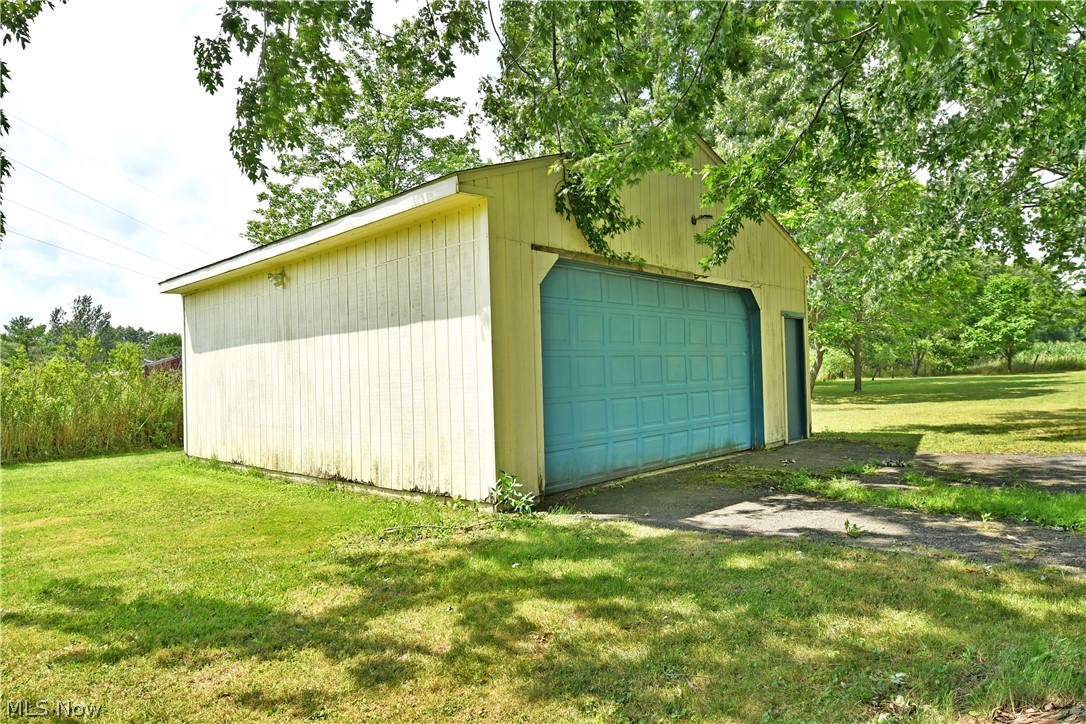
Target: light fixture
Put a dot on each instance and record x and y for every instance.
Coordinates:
(278, 279)
(701, 217)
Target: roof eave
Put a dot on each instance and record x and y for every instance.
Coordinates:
(436, 190)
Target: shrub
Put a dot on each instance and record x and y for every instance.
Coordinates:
(72, 404)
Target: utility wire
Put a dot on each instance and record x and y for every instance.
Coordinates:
(20, 164)
(99, 236)
(113, 170)
(79, 253)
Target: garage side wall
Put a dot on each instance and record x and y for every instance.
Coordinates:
(372, 362)
(523, 225)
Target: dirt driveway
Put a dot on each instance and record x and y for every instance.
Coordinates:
(687, 498)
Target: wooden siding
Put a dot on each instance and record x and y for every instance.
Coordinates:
(372, 362)
(521, 209)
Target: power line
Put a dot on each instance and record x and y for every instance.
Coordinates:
(99, 236)
(111, 208)
(79, 253)
(113, 170)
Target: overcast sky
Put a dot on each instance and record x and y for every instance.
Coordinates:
(114, 82)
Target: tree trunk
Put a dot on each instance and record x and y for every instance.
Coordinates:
(917, 359)
(1009, 354)
(857, 367)
(820, 352)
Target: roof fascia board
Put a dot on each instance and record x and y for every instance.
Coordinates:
(436, 190)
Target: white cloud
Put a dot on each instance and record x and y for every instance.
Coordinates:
(115, 79)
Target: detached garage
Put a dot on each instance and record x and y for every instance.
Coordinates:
(461, 328)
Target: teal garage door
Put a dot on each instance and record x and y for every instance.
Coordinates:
(640, 372)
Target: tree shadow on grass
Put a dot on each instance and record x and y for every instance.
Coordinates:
(1050, 426)
(582, 619)
(940, 389)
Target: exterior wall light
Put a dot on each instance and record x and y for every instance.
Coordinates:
(700, 217)
(278, 279)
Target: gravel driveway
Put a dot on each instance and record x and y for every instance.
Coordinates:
(686, 499)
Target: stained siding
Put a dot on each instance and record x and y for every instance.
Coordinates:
(522, 214)
(373, 362)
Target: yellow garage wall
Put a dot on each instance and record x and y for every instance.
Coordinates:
(521, 210)
(372, 363)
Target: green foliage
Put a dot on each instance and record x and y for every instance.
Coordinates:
(797, 93)
(508, 497)
(1008, 317)
(22, 339)
(302, 75)
(389, 138)
(598, 214)
(162, 346)
(78, 404)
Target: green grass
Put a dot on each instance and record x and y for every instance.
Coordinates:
(929, 495)
(1044, 413)
(168, 590)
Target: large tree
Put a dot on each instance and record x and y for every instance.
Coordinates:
(390, 138)
(303, 73)
(958, 89)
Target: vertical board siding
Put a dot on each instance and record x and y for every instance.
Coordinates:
(521, 213)
(373, 363)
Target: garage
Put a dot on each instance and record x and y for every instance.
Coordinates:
(463, 330)
(640, 372)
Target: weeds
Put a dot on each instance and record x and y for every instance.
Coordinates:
(73, 405)
(508, 497)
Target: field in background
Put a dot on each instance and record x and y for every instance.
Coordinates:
(165, 589)
(1041, 413)
(1042, 357)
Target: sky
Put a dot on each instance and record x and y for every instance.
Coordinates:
(105, 110)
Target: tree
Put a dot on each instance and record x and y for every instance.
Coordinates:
(867, 241)
(617, 89)
(22, 338)
(136, 335)
(162, 346)
(388, 140)
(1007, 318)
(302, 74)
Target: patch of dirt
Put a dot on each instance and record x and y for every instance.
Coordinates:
(883, 466)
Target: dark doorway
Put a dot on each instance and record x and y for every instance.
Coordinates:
(795, 362)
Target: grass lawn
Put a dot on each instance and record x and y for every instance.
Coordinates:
(1042, 413)
(168, 590)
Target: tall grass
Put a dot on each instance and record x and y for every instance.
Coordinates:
(1041, 357)
(74, 404)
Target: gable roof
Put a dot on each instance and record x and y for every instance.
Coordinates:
(443, 189)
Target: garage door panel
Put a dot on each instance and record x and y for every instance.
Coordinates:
(639, 372)
(623, 371)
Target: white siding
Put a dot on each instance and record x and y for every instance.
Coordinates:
(372, 363)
